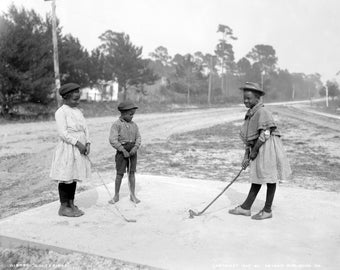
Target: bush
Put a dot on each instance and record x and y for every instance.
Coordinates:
(178, 87)
(30, 110)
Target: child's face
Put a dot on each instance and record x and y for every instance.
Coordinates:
(250, 99)
(128, 115)
(73, 99)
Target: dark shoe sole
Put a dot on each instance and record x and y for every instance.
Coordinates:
(239, 214)
(69, 213)
(258, 217)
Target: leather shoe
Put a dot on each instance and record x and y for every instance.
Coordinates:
(262, 215)
(240, 211)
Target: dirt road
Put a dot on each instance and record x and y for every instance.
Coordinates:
(26, 149)
(306, 114)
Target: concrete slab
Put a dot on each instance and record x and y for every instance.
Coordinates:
(304, 232)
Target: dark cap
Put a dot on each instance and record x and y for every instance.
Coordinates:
(126, 105)
(250, 86)
(68, 87)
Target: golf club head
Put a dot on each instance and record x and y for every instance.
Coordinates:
(192, 214)
(131, 220)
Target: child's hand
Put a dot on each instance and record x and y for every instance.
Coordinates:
(245, 163)
(81, 147)
(126, 153)
(133, 151)
(87, 149)
(253, 154)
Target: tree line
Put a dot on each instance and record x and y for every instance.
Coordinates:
(27, 75)
(26, 60)
(217, 77)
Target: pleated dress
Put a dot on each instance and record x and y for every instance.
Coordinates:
(271, 164)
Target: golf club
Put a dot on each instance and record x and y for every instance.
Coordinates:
(128, 173)
(192, 213)
(110, 195)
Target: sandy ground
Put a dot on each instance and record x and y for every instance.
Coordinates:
(163, 236)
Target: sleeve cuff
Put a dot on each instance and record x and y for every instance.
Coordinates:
(74, 141)
(264, 135)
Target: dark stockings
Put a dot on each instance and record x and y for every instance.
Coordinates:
(254, 190)
(271, 188)
(66, 191)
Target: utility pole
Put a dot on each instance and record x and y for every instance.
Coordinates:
(55, 53)
(309, 96)
(222, 62)
(262, 75)
(326, 95)
(210, 80)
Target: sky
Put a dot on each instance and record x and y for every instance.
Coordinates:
(304, 33)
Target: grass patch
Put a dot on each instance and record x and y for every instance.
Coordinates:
(213, 154)
(216, 154)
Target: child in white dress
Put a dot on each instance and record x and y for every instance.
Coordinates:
(70, 164)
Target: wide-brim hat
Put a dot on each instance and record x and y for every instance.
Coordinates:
(250, 86)
(67, 88)
(126, 106)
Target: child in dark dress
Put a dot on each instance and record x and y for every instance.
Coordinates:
(264, 152)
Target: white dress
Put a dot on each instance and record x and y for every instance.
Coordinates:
(68, 164)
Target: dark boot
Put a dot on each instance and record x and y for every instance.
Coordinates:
(71, 191)
(66, 211)
(75, 209)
